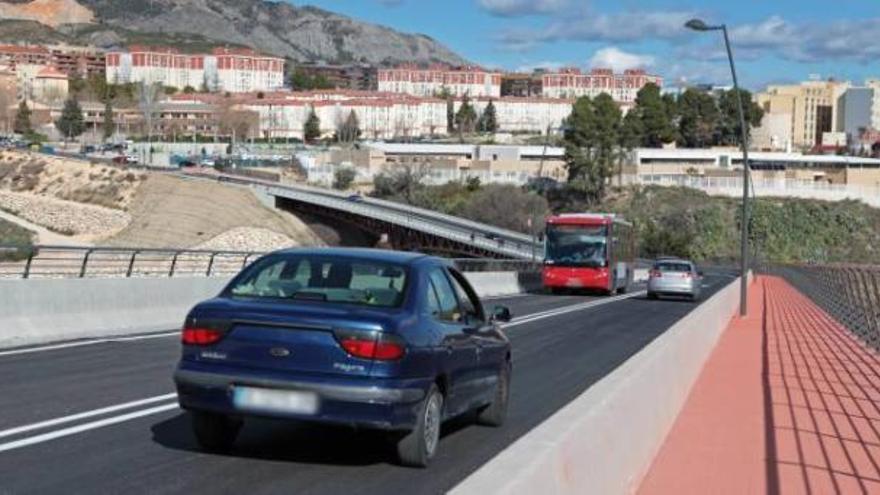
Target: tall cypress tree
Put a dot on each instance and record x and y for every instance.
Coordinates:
(22, 123)
(312, 127)
(108, 127)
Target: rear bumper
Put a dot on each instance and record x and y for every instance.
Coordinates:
(372, 403)
(684, 288)
(575, 278)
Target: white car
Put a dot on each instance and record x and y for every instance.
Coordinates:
(674, 277)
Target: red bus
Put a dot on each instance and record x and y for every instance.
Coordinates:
(589, 251)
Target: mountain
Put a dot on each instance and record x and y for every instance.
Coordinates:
(304, 34)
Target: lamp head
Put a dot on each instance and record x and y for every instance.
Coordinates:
(697, 25)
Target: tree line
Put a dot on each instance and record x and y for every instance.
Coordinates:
(598, 136)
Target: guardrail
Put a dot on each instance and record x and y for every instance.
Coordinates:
(119, 262)
(849, 293)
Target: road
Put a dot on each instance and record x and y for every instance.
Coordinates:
(561, 345)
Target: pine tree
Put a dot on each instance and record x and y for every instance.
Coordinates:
(71, 123)
(312, 127)
(656, 123)
(22, 123)
(108, 127)
(489, 119)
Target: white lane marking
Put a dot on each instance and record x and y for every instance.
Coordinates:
(45, 437)
(73, 430)
(569, 309)
(69, 345)
(84, 415)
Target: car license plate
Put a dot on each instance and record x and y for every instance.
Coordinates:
(275, 401)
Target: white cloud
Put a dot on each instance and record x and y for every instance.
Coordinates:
(614, 58)
(512, 8)
(624, 27)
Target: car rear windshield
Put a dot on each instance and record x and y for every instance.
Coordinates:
(324, 279)
(672, 267)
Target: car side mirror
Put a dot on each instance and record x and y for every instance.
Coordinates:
(501, 314)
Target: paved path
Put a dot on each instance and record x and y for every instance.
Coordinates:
(789, 402)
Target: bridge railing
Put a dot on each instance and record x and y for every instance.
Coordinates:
(513, 248)
(494, 239)
(17, 262)
(850, 293)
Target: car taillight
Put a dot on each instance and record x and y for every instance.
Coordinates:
(373, 345)
(200, 336)
(656, 274)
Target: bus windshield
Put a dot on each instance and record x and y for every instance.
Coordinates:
(576, 245)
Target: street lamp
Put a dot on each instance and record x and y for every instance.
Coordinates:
(699, 25)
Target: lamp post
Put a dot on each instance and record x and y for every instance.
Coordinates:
(699, 25)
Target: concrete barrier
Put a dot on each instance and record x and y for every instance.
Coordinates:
(50, 310)
(40, 311)
(604, 441)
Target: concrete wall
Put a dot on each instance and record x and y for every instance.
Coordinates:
(41, 311)
(604, 441)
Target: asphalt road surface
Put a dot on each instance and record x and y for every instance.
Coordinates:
(102, 418)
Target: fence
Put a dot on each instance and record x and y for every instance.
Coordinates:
(109, 262)
(849, 293)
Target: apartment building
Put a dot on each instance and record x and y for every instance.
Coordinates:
(442, 163)
(224, 69)
(352, 76)
(431, 81)
(812, 106)
(572, 83)
(82, 61)
(384, 115)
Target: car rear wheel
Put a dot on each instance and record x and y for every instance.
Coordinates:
(495, 413)
(652, 295)
(215, 432)
(418, 447)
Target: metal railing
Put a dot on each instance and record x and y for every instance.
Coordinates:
(18, 262)
(91, 262)
(849, 293)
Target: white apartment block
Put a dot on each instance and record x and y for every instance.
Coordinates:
(225, 69)
(524, 115)
(458, 81)
(572, 83)
(283, 114)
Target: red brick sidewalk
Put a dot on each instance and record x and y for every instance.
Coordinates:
(789, 402)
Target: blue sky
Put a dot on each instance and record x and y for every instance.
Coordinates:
(774, 41)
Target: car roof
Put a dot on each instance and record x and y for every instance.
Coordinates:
(383, 255)
(673, 260)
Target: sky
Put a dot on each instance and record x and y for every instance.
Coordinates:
(774, 41)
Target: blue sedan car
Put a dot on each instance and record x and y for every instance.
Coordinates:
(369, 338)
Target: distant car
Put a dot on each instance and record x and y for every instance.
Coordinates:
(387, 340)
(120, 159)
(357, 198)
(207, 162)
(131, 159)
(674, 277)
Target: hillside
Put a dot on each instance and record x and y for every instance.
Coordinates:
(300, 33)
(171, 211)
(687, 222)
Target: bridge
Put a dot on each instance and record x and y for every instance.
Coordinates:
(601, 384)
(407, 227)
